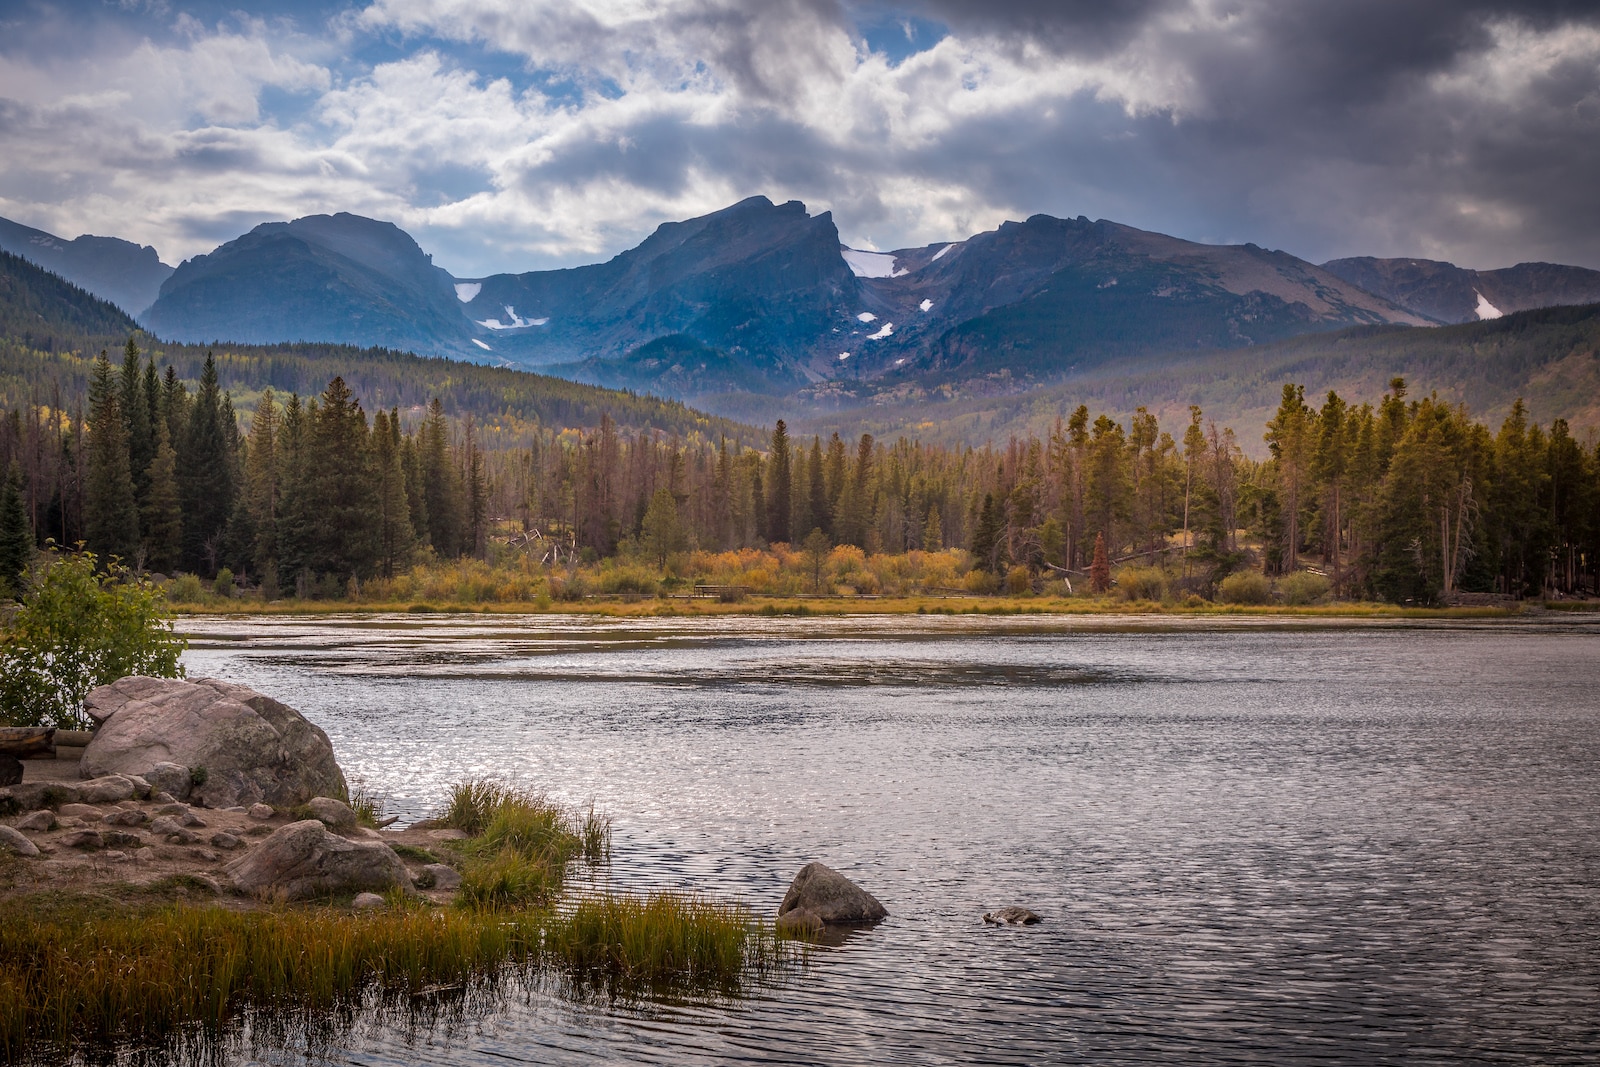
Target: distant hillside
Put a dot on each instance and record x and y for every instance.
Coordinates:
(769, 302)
(331, 278)
(50, 332)
(1550, 357)
(118, 271)
(37, 307)
(1447, 293)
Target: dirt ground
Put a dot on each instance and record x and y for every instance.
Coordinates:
(133, 857)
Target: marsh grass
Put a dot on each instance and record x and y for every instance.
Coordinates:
(167, 964)
(631, 942)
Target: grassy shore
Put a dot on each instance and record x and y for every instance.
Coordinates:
(168, 965)
(647, 607)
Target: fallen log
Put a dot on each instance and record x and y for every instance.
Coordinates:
(25, 742)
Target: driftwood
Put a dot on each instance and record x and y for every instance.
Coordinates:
(25, 741)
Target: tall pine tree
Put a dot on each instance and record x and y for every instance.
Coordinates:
(111, 520)
(16, 534)
(206, 474)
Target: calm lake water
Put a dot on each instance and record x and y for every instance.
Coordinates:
(1251, 842)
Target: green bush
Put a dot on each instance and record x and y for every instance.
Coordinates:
(1141, 583)
(1303, 587)
(186, 589)
(224, 583)
(79, 627)
(1244, 587)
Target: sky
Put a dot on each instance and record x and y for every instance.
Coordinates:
(511, 135)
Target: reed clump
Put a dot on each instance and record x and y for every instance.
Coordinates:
(629, 941)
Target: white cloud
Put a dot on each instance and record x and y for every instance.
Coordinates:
(626, 113)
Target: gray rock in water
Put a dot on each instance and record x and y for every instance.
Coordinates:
(107, 789)
(10, 770)
(172, 778)
(251, 748)
(440, 876)
(17, 842)
(1012, 916)
(821, 896)
(331, 812)
(39, 821)
(303, 859)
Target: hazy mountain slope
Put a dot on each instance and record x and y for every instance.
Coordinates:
(1037, 299)
(1550, 357)
(38, 307)
(763, 282)
(49, 329)
(118, 271)
(339, 278)
(681, 366)
(1447, 293)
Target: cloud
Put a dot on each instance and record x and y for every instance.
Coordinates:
(514, 135)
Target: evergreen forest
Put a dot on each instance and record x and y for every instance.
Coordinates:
(1398, 497)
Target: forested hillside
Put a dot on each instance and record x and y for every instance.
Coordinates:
(1549, 358)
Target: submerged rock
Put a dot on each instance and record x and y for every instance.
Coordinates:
(821, 896)
(244, 747)
(303, 859)
(1011, 915)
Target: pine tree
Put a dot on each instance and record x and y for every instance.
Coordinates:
(206, 474)
(932, 532)
(162, 514)
(340, 487)
(261, 480)
(136, 420)
(987, 537)
(16, 534)
(111, 519)
(817, 486)
(396, 538)
(293, 528)
(441, 485)
(779, 486)
(1100, 569)
(661, 533)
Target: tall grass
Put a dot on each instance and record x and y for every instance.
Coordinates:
(629, 941)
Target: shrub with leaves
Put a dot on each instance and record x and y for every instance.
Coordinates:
(81, 625)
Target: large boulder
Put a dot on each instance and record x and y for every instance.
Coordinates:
(303, 859)
(243, 747)
(821, 896)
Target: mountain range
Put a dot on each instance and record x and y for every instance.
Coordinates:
(759, 306)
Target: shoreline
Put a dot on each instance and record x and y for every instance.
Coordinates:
(801, 606)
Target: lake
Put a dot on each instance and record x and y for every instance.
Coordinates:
(1252, 841)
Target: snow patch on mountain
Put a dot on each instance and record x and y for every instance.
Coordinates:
(870, 264)
(1486, 310)
(937, 256)
(517, 322)
(884, 331)
(926, 304)
(467, 292)
(481, 345)
(866, 316)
